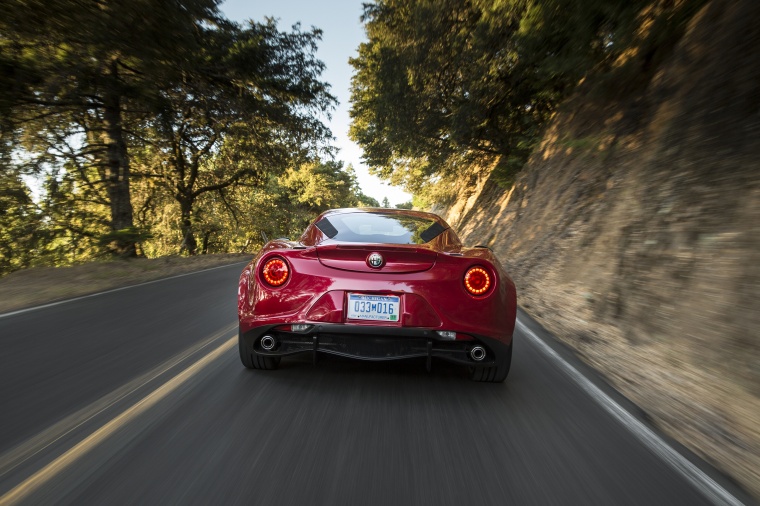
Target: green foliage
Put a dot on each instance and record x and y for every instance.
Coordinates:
(72, 221)
(19, 222)
(54, 230)
(443, 84)
(125, 235)
(299, 195)
(78, 75)
(232, 218)
(155, 123)
(365, 200)
(248, 108)
(180, 130)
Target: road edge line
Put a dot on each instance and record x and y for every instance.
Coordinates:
(706, 485)
(62, 462)
(37, 443)
(111, 290)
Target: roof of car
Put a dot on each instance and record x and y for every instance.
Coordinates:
(384, 210)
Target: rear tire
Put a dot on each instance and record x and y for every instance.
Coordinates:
(497, 373)
(253, 360)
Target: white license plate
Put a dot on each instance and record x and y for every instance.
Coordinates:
(373, 307)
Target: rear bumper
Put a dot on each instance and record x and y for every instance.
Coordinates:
(373, 343)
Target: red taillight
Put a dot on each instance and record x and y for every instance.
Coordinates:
(477, 280)
(275, 272)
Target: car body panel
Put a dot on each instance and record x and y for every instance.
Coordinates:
(396, 259)
(428, 278)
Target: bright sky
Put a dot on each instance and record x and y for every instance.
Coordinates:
(342, 34)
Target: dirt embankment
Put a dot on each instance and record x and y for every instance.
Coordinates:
(634, 235)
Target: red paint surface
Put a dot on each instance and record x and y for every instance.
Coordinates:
(429, 278)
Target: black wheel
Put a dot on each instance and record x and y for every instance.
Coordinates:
(253, 360)
(497, 373)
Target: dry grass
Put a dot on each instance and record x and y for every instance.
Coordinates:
(40, 285)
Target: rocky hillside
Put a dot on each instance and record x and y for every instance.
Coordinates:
(634, 235)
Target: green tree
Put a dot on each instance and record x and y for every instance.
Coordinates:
(92, 64)
(249, 107)
(441, 84)
(304, 192)
(20, 224)
(362, 200)
(285, 205)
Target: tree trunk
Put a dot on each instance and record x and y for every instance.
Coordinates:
(189, 244)
(204, 242)
(117, 170)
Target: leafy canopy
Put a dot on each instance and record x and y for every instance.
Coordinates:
(156, 126)
(446, 83)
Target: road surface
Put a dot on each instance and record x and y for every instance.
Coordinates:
(137, 396)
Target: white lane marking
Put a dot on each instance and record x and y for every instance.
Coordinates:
(29, 448)
(709, 487)
(112, 290)
(60, 464)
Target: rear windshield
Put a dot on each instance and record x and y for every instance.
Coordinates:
(380, 228)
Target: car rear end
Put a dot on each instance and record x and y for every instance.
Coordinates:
(379, 301)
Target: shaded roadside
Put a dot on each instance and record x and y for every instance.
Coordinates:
(42, 285)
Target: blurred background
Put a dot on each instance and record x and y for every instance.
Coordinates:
(607, 150)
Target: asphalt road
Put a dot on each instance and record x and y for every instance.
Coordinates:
(137, 396)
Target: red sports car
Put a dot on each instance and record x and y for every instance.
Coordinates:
(378, 284)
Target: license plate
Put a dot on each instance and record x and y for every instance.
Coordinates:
(373, 307)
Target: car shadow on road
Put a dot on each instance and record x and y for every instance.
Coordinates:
(402, 377)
